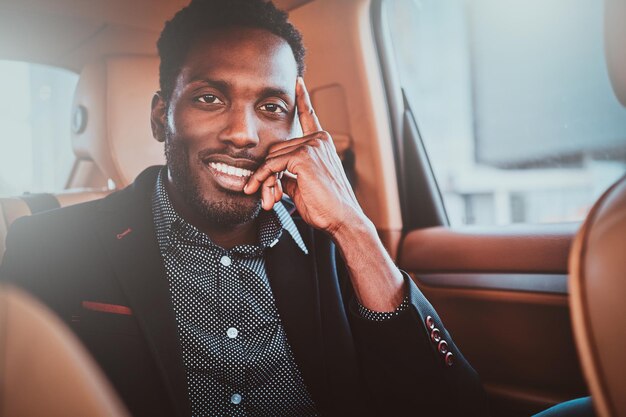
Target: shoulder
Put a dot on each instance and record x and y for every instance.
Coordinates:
(53, 222)
(82, 217)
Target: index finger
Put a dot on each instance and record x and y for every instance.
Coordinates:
(306, 114)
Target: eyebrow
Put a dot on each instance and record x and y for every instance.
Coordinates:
(219, 84)
(277, 92)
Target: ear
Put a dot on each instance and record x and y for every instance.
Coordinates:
(157, 117)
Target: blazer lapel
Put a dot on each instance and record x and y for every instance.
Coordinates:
(293, 279)
(128, 237)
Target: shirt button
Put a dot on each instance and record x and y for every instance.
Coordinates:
(225, 260)
(232, 332)
(235, 399)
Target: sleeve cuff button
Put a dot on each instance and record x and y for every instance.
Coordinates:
(450, 359)
(435, 335)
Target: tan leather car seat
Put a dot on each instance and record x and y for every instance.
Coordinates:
(44, 370)
(615, 45)
(116, 139)
(598, 300)
(598, 260)
(116, 93)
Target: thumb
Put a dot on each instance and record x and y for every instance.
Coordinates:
(290, 185)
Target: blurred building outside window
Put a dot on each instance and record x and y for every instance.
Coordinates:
(35, 147)
(514, 105)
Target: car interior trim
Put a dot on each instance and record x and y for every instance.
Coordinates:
(544, 283)
(505, 249)
(417, 185)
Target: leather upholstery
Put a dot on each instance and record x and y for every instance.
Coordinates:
(515, 248)
(45, 370)
(597, 289)
(117, 92)
(614, 45)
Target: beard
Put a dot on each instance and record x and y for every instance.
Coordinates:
(224, 208)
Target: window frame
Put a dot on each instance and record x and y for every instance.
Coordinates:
(421, 201)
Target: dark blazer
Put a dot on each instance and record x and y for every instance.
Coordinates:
(106, 252)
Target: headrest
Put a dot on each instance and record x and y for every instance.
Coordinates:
(111, 116)
(597, 288)
(615, 45)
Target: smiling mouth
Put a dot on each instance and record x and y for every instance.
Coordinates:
(230, 170)
(228, 177)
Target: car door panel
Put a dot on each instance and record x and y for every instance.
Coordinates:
(503, 295)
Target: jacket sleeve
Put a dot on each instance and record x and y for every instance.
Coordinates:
(404, 365)
(29, 263)
(20, 259)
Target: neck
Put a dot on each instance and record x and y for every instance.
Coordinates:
(232, 236)
(224, 236)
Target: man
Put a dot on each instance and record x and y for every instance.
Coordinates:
(196, 290)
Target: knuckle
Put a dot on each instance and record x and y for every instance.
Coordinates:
(272, 164)
(325, 136)
(267, 167)
(317, 142)
(304, 151)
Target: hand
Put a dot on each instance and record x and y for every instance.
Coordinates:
(315, 181)
(314, 177)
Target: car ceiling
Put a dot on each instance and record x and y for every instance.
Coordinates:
(70, 33)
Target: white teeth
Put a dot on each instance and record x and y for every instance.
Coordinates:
(230, 170)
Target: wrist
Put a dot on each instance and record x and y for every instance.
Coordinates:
(353, 228)
(377, 283)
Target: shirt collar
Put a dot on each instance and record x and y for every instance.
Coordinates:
(271, 223)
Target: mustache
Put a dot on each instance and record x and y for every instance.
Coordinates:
(243, 154)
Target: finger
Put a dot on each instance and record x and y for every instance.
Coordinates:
(270, 181)
(319, 139)
(268, 169)
(268, 192)
(267, 198)
(291, 151)
(278, 191)
(306, 114)
(289, 186)
(290, 142)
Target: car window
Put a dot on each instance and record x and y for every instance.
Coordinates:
(35, 149)
(513, 103)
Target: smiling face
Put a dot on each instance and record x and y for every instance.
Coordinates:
(233, 98)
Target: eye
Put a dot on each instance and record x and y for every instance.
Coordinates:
(209, 99)
(273, 108)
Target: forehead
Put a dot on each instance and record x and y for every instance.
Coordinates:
(238, 53)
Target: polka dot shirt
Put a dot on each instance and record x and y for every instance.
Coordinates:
(235, 351)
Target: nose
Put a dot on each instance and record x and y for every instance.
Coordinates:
(240, 129)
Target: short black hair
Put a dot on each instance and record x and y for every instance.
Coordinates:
(202, 16)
